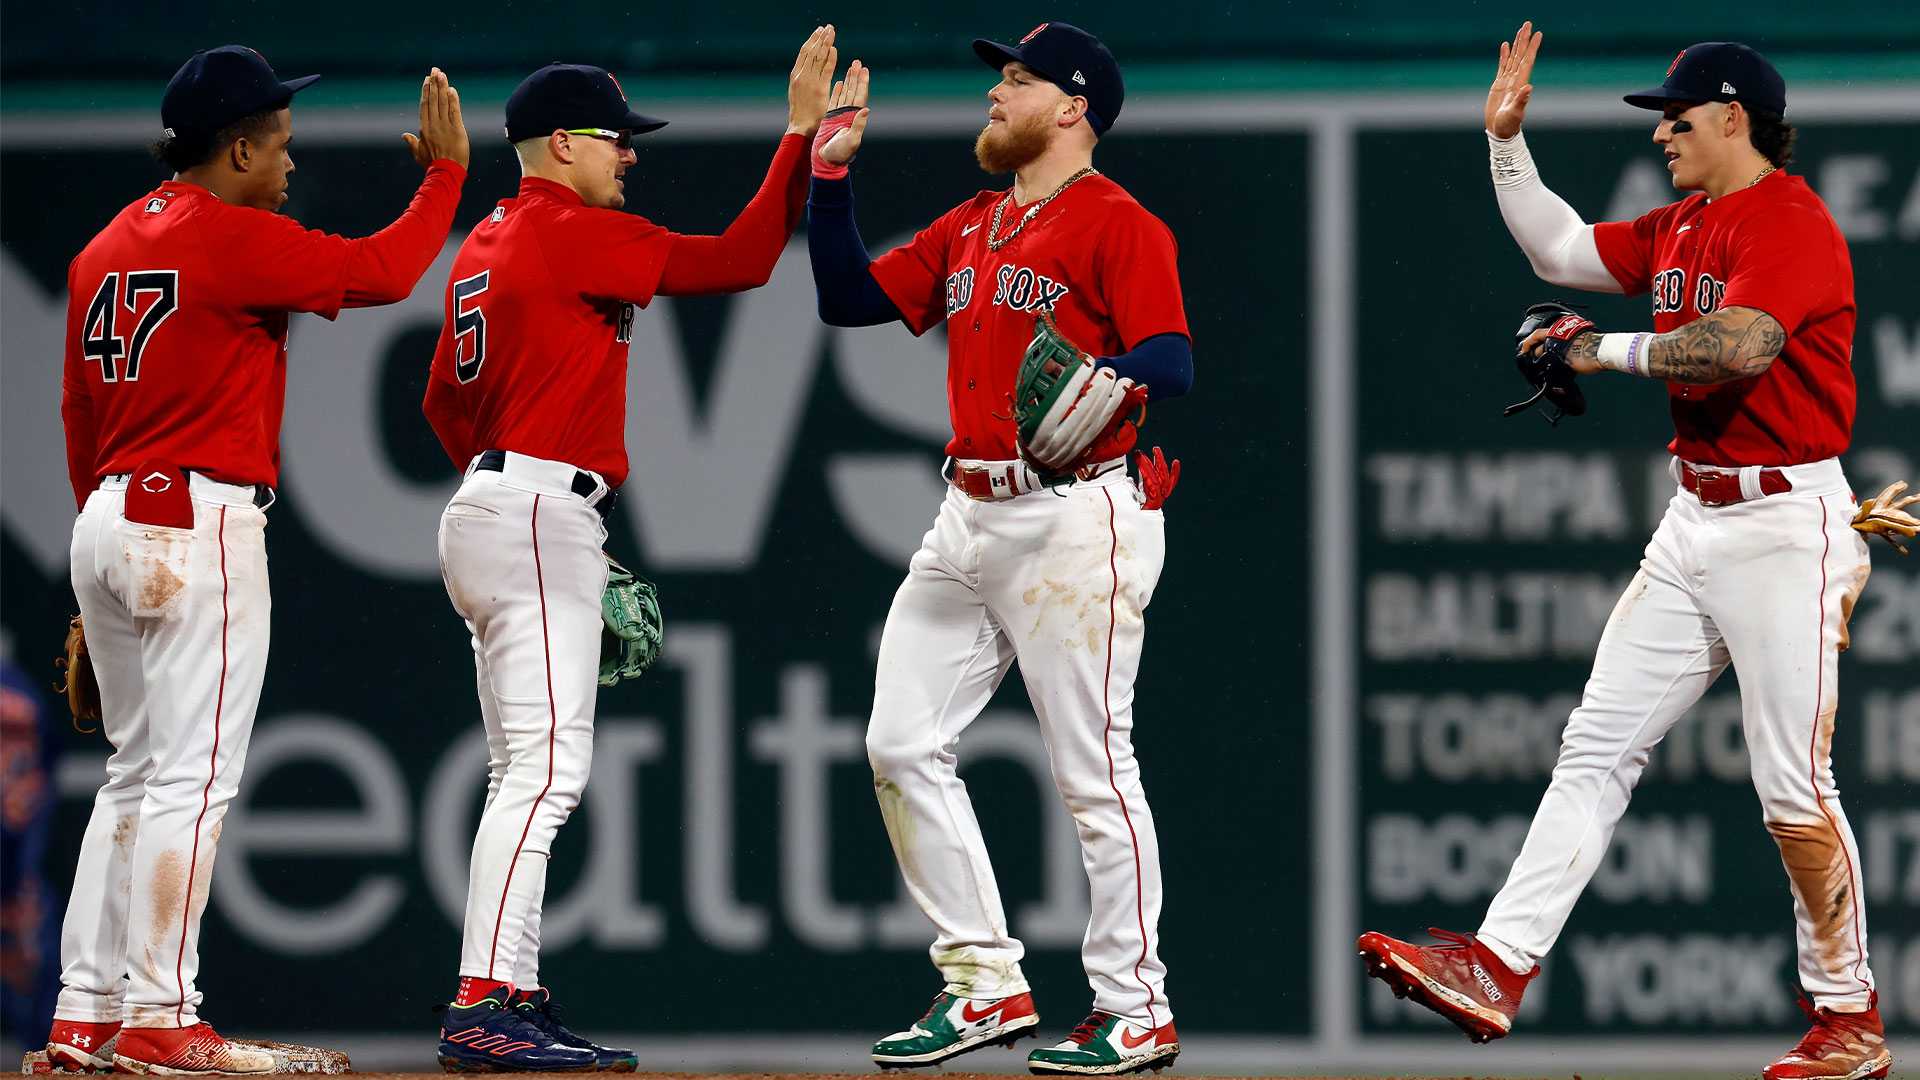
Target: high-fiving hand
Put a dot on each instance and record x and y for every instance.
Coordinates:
(848, 93)
(1511, 90)
(807, 86)
(443, 134)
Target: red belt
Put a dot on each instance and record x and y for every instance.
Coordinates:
(1723, 489)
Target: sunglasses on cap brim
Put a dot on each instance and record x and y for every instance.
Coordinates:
(621, 139)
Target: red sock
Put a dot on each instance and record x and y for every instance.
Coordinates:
(474, 990)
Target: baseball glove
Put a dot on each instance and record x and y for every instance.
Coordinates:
(631, 631)
(1067, 411)
(1546, 369)
(1885, 516)
(77, 680)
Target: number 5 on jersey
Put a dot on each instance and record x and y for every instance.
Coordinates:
(97, 338)
(469, 327)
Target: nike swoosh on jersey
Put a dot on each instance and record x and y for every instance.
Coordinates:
(970, 229)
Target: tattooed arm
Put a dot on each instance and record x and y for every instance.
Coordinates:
(1731, 344)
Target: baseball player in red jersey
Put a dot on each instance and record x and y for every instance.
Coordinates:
(175, 375)
(528, 396)
(1018, 566)
(1756, 564)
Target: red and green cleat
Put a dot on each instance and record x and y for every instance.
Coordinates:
(1104, 1045)
(955, 1025)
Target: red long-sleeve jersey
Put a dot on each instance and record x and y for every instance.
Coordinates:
(177, 324)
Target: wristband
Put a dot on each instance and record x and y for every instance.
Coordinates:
(1510, 160)
(835, 122)
(1623, 352)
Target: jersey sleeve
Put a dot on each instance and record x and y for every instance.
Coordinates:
(609, 254)
(1626, 247)
(76, 401)
(914, 275)
(273, 263)
(1783, 265)
(445, 412)
(1136, 265)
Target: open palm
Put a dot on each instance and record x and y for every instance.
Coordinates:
(1511, 90)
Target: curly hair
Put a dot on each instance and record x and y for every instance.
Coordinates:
(1772, 136)
(181, 152)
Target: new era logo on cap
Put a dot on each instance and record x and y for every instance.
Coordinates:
(1079, 78)
(1727, 88)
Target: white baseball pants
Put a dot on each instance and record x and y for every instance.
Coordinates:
(1767, 586)
(1060, 582)
(521, 557)
(177, 622)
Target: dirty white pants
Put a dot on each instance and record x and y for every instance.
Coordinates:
(177, 621)
(1765, 585)
(1060, 582)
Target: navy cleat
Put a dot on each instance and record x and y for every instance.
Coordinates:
(487, 1036)
(536, 1007)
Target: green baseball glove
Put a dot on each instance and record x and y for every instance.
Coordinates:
(1069, 412)
(632, 631)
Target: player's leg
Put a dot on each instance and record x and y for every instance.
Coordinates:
(93, 936)
(1071, 582)
(1793, 569)
(525, 569)
(1656, 657)
(941, 656)
(203, 611)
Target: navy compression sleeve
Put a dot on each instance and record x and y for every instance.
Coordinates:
(1163, 363)
(847, 293)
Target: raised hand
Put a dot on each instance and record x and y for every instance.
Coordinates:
(849, 93)
(443, 133)
(1511, 90)
(808, 85)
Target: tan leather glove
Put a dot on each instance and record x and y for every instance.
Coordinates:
(1885, 515)
(77, 680)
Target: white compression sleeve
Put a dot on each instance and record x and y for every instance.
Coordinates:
(1558, 244)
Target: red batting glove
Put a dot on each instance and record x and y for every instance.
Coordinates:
(1157, 477)
(835, 122)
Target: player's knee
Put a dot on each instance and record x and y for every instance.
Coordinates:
(894, 750)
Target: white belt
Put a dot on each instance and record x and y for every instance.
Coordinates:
(991, 481)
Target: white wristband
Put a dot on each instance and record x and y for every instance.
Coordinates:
(1623, 352)
(1510, 160)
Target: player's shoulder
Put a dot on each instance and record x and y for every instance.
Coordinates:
(1117, 210)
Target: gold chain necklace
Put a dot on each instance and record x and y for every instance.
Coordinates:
(1763, 175)
(993, 230)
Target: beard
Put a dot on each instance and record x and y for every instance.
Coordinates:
(1013, 148)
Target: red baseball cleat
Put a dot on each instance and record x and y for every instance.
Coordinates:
(1459, 978)
(1840, 1046)
(185, 1052)
(81, 1045)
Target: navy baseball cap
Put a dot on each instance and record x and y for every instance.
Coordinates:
(559, 97)
(1719, 71)
(1070, 58)
(215, 87)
